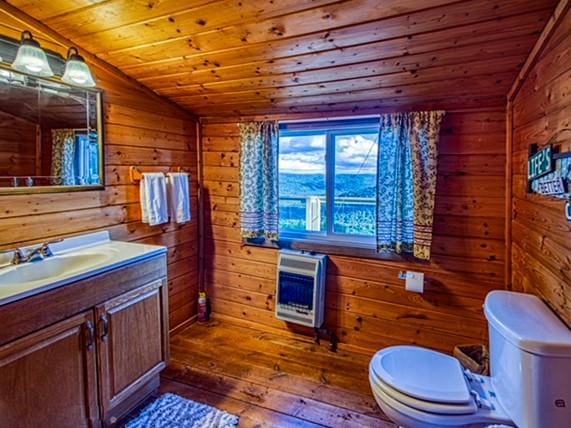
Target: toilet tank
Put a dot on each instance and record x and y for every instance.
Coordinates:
(530, 360)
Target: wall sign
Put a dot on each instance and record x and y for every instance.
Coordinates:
(540, 163)
(549, 170)
(551, 187)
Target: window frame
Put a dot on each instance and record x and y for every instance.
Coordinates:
(331, 130)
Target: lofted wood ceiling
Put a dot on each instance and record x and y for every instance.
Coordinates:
(228, 57)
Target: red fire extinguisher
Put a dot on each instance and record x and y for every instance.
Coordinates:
(203, 315)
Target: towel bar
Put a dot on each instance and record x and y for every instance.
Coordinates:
(136, 175)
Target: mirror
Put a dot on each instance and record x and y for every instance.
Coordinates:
(50, 135)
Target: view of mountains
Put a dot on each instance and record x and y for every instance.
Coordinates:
(346, 185)
(349, 217)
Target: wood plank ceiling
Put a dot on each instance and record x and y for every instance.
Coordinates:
(229, 57)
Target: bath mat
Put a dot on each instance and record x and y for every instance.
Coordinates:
(172, 411)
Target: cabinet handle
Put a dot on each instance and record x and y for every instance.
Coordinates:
(104, 327)
(90, 334)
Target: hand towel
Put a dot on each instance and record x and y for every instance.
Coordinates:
(153, 193)
(179, 197)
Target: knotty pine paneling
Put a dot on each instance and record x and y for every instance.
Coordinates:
(541, 236)
(18, 138)
(226, 57)
(140, 129)
(367, 305)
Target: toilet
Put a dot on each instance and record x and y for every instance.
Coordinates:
(529, 386)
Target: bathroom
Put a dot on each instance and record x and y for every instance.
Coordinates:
(303, 213)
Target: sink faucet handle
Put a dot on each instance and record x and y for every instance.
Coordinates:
(19, 256)
(45, 250)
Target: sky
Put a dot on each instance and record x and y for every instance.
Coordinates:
(306, 154)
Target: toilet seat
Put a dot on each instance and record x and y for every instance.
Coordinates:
(418, 387)
(425, 406)
(423, 374)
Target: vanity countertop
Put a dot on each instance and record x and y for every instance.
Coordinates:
(73, 259)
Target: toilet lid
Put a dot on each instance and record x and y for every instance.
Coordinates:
(422, 373)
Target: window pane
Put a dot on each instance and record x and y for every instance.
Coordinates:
(355, 184)
(302, 183)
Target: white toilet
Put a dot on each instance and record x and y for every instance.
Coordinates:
(529, 386)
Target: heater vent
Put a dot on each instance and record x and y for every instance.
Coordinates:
(300, 294)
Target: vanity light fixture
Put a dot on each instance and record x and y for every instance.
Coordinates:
(31, 58)
(77, 72)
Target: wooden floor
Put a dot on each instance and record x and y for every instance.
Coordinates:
(271, 380)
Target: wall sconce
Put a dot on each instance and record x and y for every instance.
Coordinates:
(77, 72)
(31, 58)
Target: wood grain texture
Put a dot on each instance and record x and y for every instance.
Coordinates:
(132, 347)
(66, 396)
(541, 236)
(221, 57)
(270, 380)
(140, 129)
(18, 155)
(366, 303)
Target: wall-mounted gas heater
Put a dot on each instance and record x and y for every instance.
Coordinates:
(300, 294)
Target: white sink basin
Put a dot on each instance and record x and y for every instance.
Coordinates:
(74, 259)
(51, 268)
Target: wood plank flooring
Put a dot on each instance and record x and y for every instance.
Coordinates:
(271, 380)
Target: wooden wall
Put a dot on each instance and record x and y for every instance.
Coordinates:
(366, 302)
(541, 236)
(17, 147)
(140, 129)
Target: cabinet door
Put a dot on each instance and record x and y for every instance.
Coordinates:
(48, 378)
(132, 343)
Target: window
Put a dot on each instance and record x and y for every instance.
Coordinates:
(327, 181)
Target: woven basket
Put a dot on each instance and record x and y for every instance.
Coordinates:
(474, 358)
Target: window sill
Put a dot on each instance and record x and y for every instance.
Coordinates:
(334, 249)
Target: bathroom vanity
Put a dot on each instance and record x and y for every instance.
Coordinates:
(82, 345)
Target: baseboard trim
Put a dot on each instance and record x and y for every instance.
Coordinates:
(183, 325)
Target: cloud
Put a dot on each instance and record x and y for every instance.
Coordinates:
(306, 154)
(302, 154)
(356, 153)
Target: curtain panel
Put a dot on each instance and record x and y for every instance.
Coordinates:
(259, 180)
(63, 155)
(406, 182)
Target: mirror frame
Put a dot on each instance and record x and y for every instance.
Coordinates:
(100, 139)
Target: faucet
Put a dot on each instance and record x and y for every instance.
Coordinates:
(38, 253)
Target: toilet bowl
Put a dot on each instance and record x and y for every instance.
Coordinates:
(417, 387)
(530, 359)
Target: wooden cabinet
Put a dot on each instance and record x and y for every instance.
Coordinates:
(132, 346)
(49, 378)
(89, 367)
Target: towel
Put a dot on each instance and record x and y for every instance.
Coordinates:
(153, 192)
(179, 197)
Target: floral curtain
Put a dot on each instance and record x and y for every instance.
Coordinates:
(406, 181)
(63, 154)
(259, 180)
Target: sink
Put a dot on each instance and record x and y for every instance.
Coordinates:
(51, 268)
(74, 259)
